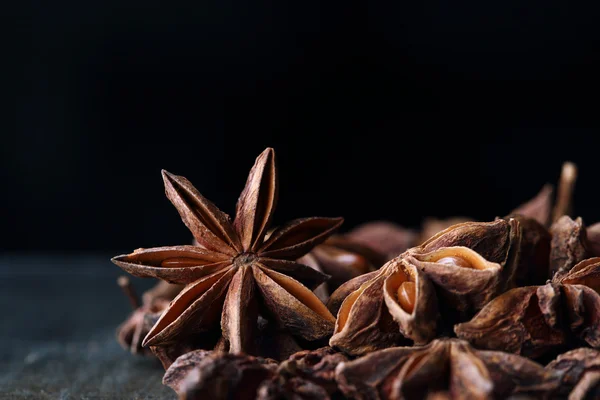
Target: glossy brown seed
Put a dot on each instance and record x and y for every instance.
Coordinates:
(407, 296)
(179, 262)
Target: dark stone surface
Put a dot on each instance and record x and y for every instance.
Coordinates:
(57, 333)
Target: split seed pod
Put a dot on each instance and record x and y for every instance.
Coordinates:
(446, 368)
(535, 319)
(470, 263)
(579, 372)
(382, 307)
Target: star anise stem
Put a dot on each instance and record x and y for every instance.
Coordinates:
(564, 195)
(127, 288)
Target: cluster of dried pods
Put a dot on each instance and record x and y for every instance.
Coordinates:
(460, 309)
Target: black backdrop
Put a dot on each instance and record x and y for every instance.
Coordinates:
(377, 110)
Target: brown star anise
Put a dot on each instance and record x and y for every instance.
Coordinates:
(535, 319)
(445, 368)
(305, 375)
(131, 333)
(235, 275)
(579, 372)
(384, 237)
(572, 242)
(470, 263)
(545, 208)
(378, 309)
(213, 375)
(342, 259)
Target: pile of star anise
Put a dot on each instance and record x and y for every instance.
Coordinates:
(503, 309)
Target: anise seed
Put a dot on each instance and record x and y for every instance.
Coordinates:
(406, 296)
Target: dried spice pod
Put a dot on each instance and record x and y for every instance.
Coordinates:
(470, 263)
(579, 372)
(220, 376)
(132, 331)
(383, 307)
(317, 366)
(534, 253)
(445, 368)
(533, 320)
(342, 259)
(308, 374)
(568, 245)
(544, 208)
(384, 237)
(432, 226)
(538, 208)
(236, 275)
(283, 387)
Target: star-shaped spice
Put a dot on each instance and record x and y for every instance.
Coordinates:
(236, 274)
(445, 368)
(532, 320)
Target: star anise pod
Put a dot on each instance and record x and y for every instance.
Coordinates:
(533, 320)
(386, 238)
(544, 207)
(572, 242)
(219, 376)
(432, 226)
(379, 309)
(470, 263)
(579, 372)
(445, 368)
(342, 259)
(236, 275)
(317, 366)
(305, 375)
(131, 333)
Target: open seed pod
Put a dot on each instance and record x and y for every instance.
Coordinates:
(572, 242)
(470, 263)
(382, 307)
(579, 372)
(445, 368)
(533, 320)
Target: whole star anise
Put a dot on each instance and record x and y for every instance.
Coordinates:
(445, 368)
(235, 275)
(533, 320)
(579, 372)
(209, 374)
(470, 263)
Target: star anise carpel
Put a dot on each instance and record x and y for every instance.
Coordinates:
(236, 274)
(534, 320)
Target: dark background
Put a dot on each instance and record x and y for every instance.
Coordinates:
(380, 110)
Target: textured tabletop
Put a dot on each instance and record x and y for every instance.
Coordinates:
(57, 332)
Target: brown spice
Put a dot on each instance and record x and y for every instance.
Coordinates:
(530, 320)
(237, 274)
(579, 372)
(445, 368)
(131, 333)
